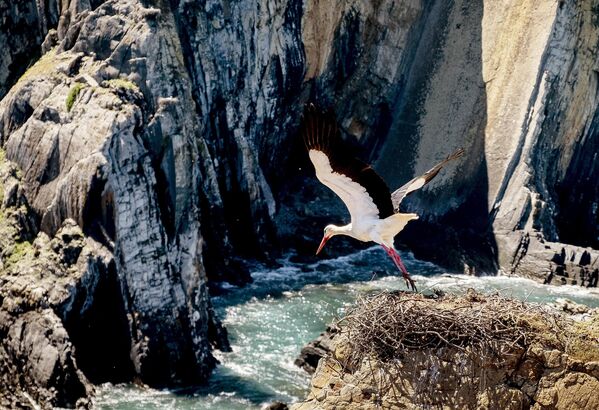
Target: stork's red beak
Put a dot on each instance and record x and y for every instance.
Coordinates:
(322, 243)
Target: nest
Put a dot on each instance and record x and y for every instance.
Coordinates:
(386, 326)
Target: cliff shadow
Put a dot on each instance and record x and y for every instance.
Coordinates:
(442, 105)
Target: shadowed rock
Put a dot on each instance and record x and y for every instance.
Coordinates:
(318, 348)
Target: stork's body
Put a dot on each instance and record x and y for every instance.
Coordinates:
(373, 209)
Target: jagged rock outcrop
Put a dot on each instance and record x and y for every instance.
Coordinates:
(556, 263)
(102, 134)
(55, 293)
(415, 363)
(318, 348)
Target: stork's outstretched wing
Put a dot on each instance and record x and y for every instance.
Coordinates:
(361, 189)
(419, 182)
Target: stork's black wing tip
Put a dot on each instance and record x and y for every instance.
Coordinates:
(319, 128)
(309, 110)
(312, 108)
(456, 154)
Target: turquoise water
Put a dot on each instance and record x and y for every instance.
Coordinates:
(270, 320)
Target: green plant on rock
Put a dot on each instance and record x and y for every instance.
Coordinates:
(72, 96)
(19, 252)
(121, 83)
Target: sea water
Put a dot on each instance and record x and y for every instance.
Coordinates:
(270, 320)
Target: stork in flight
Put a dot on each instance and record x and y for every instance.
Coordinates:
(373, 209)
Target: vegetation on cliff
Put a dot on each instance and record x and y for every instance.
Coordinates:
(72, 95)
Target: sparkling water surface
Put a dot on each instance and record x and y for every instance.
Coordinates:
(270, 320)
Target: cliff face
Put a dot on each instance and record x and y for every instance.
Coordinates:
(512, 83)
(24, 26)
(101, 134)
(515, 84)
(167, 131)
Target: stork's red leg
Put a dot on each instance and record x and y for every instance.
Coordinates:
(398, 262)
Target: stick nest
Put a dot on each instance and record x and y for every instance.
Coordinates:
(386, 326)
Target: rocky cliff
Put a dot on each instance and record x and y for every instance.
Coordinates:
(515, 84)
(474, 352)
(100, 134)
(512, 83)
(166, 131)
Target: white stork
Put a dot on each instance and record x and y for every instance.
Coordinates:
(374, 210)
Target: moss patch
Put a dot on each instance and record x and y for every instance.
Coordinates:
(72, 96)
(120, 83)
(19, 252)
(46, 64)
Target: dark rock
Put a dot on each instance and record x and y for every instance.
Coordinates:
(37, 359)
(24, 26)
(277, 406)
(37, 356)
(320, 347)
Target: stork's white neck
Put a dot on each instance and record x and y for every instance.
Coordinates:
(341, 230)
